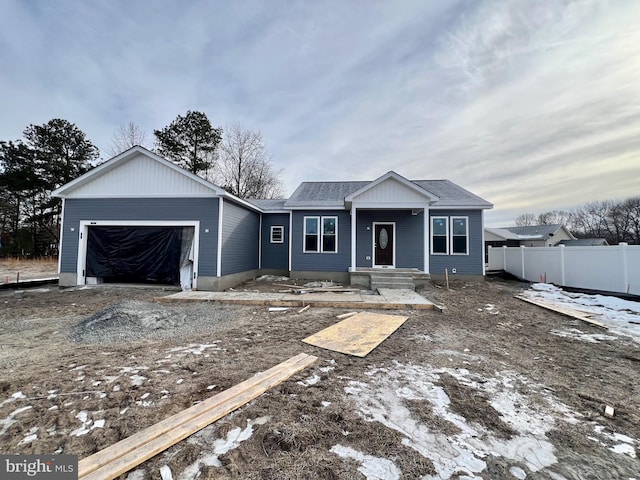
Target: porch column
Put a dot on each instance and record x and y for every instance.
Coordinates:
(427, 247)
(354, 216)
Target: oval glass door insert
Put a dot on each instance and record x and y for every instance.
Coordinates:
(384, 238)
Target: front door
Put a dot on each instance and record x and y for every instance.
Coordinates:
(383, 248)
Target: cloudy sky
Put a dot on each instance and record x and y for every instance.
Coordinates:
(533, 105)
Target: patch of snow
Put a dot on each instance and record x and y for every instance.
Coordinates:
(624, 444)
(210, 387)
(137, 380)
(312, 380)
(383, 400)
(373, 468)
(583, 336)
(138, 474)
(165, 473)
(31, 436)
(6, 423)
(326, 369)
(146, 395)
(179, 381)
(86, 426)
(219, 446)
(194, 348)
(518, 473)
(272, 278)
(325, 404)
(621, 316)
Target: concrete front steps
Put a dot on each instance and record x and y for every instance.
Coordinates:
(390, 278)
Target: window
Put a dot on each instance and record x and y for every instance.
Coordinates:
(311, 234)
(459, 236)
(329, 234)
(439, 235)
(277, 234)
(320, 235)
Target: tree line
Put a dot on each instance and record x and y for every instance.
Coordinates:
(614, 220)
(51, 155)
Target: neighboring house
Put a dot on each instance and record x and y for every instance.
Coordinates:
(584, 242)
(141, 218)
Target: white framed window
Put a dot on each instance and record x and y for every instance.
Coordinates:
(459, 235)
(311, 237)
(277, 234)
(320, 235)
(439, 235)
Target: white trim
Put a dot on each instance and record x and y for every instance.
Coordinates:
(260, 243)
(466, 219)
(290, 240)
(373, 245)
(390, 205)
(446, 236)
(460, 207)
(304, 234)
(219, 246)
(83, 231)
(483, 247)
(426, 247)
(271, 234)
(354, 233)
(391, 174)
(337, 206)
(60, 239)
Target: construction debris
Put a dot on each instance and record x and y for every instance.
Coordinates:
(570, 312)
(304, 309)
(357, 335)
(346, 315)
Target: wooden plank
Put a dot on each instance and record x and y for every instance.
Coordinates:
(570, 312)
(103, 464)
(346, 315)
(357, 335)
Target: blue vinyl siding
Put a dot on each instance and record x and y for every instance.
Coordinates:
(275, 255)
(240, 231)
(321, 262)
(464, 264)
(166, 209)
(409, 237)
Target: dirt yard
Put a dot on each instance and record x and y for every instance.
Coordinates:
(486, 389)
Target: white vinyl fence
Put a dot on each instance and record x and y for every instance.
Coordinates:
(612, 269)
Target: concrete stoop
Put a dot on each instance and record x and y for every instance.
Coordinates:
(394, 281)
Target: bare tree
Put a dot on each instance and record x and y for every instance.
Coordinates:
(125, 137)
(556, 217)
(525, 220)
(245, 168)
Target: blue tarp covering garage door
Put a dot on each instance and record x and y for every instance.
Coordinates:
(134, 254)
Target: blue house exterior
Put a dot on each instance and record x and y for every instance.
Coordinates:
(325, 230)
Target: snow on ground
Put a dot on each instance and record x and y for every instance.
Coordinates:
(384, 399)
(218, 447)
(373, 468)
(621, 316)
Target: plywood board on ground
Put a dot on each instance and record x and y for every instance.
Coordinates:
(357, 335)
(570, 312)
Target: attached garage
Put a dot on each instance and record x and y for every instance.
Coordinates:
(125, 253)
(139, 218)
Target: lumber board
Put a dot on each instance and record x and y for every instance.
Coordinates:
(121, 457)
(569, 312)
(357, 335)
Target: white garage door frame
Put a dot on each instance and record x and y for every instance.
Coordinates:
(84, 232)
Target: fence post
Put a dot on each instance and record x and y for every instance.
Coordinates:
(522, 247)
(504, 258)
(625, 267)
(562, 268)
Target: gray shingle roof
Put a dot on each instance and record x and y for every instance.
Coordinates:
(268, 205)
(535, 231)
(332, 194)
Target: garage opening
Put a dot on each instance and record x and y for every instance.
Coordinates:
(140, 254)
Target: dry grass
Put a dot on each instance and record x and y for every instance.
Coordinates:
(27, 268)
